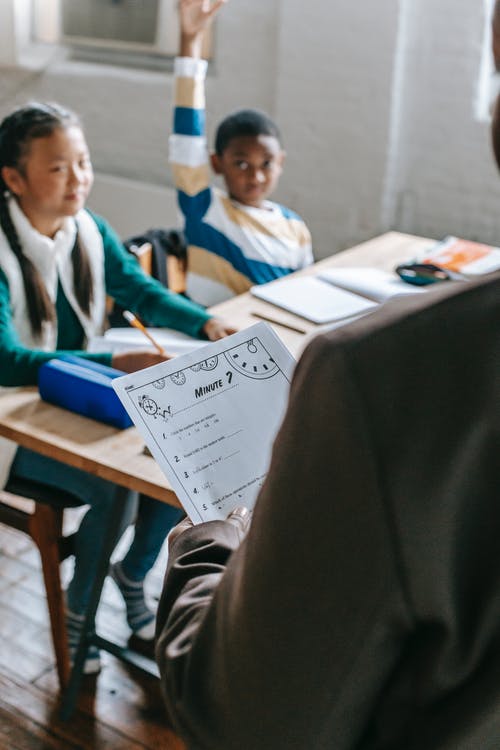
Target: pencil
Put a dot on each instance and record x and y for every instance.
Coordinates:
(136, 323)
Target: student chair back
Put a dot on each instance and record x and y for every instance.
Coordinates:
(162, 254)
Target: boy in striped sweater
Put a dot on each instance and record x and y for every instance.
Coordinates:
(236, 237)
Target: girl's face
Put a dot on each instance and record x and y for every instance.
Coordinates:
(55, 178)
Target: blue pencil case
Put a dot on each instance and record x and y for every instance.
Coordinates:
(83, 386)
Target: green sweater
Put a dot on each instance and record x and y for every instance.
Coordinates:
(126, 283)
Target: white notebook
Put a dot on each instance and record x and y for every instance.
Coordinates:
(313, 299)
(124, 339)
(372, 283)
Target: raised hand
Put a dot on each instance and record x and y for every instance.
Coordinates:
(194, 18)
(196, 15)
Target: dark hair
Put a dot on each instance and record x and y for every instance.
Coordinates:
(495, 131)
(244, 122)
(17, 131)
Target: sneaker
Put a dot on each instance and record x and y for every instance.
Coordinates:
(139, 617)
(74, 625)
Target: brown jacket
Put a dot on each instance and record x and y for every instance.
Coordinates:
(362, 611)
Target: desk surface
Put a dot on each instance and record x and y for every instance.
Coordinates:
(117, 455)
(383, 252)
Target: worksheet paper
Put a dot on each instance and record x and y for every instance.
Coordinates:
(209, 417)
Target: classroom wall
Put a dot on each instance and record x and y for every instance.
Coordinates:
(334, 100)
(442, 174)
(376, 102)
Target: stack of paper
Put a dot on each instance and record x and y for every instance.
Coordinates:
(124, 339)
(464, 256)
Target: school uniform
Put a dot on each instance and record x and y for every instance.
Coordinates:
(231, 246)
(116, 273)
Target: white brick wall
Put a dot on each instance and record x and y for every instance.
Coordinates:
(133, 207)
(334, 100)
(375, 101)
(444, 180)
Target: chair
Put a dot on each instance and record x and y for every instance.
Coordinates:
(24, 506)
(162, 254)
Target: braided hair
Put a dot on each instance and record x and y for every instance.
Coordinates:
(17, 131)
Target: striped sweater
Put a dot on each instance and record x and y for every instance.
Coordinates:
(231, 246)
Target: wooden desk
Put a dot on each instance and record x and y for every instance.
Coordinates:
(109, 453)
(383, 252)
(117, 455)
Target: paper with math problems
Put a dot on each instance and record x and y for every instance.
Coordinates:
(209, 417)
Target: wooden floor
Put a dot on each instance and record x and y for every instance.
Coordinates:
(120, 709)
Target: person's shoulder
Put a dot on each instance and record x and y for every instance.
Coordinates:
(109, 235)
(297, 226)
(288, 213)
(102, 224)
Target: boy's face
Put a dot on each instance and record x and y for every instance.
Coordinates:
(251, 167)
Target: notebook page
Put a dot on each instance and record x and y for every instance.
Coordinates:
(372, 283)
(312, 299)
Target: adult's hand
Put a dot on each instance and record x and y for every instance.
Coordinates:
(137, 359)
(239, 517)
(215, 328)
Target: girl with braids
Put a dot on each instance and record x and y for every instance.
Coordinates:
(57, 263)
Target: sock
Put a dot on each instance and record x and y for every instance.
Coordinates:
(74, 625)
(139, 617)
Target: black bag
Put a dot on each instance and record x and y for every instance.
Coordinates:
(162, 253)
(165, 244)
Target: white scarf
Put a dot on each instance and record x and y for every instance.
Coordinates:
(52, 258)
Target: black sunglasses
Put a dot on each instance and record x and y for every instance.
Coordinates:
(421, 274)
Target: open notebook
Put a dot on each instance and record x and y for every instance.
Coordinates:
(312, 299)
(334, 294)
(371, 283)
